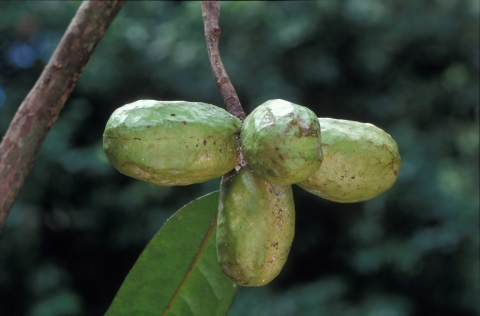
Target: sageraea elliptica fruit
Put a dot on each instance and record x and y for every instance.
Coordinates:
(172, 142)
(255, 227)
(281, 142)
(360, 161)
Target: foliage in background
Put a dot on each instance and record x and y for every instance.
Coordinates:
(409, 67)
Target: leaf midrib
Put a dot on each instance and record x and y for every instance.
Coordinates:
(192, 266)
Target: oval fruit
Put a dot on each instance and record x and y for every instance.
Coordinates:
(172, 142)
(255, 227)
(360, 161)
(281, 142)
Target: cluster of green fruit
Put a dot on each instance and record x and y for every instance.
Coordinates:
(278, 144)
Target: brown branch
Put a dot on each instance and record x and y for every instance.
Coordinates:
(40, 109)
(211, 14)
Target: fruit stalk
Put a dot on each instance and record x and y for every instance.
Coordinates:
(210, 15)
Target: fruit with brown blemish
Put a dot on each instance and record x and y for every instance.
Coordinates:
(172, 142)
(360, 161)
(255, 227)
(281, 142)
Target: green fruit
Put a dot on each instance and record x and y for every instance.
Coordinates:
(172, 142)
(360, 161)
(255, 227)
(281, 141)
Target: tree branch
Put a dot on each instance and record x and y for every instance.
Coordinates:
(211, 14)
(40, 109)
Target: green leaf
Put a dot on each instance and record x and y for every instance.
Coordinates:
(178, 273)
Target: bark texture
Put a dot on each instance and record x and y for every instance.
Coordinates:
(40, 109)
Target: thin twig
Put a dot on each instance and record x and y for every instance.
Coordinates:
(40, 109)
(211, 14)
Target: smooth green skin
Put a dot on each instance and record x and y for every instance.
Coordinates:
(255, 227)
(281, 141)
(360, 161)
(172, 142)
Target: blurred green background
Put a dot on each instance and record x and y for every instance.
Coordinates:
(410, 67)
